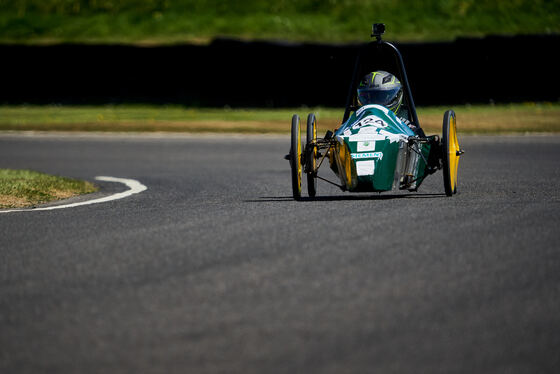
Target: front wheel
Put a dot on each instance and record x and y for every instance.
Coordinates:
(295, 157)
(311, 153)
(451, 152)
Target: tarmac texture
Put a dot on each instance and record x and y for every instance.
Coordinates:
(215, 269)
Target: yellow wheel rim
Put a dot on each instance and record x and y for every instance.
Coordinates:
(453, 153)
(314, 144)
(298, 159)
(295, 157)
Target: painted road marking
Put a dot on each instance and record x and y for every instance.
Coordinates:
(133, 185)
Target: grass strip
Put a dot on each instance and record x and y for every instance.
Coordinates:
(514, 118)
(24, 188)
(163, 21)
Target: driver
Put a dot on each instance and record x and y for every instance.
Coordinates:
(383, 88)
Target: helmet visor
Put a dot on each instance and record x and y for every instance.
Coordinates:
(387, 97)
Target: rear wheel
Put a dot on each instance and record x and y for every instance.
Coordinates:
(311, 152)
(451, 152)
(295, 157)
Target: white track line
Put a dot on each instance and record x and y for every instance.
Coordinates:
(133, 185)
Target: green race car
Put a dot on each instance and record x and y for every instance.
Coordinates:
(380, 145)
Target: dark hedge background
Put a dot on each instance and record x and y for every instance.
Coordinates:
(262, 74)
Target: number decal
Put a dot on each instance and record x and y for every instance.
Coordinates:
(370, 121)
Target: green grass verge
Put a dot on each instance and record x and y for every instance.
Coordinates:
(163, 21)
(23, 188)
(520, 118)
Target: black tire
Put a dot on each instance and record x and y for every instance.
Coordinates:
(295, 157)
(311, 152)
(450, 149)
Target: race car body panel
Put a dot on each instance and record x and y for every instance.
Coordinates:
(374, 152)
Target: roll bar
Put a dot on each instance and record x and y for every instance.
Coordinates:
(379, 46)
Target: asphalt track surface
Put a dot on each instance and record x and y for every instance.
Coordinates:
(215, 269)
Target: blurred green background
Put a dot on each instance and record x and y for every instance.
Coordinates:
(199, 21)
